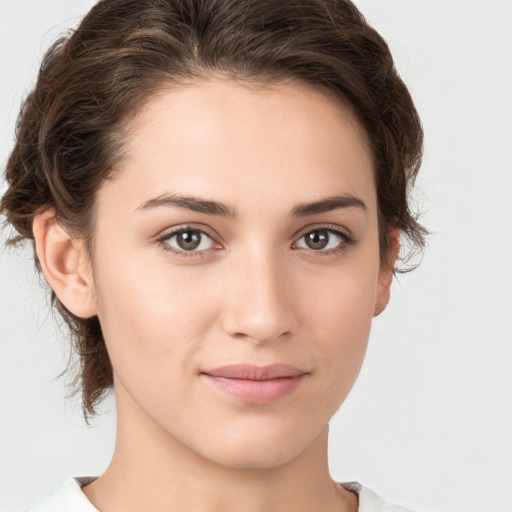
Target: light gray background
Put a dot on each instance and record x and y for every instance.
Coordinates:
(429, 422)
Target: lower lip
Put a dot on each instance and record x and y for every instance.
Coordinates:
(256, 391)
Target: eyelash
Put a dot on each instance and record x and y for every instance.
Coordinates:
(346, 241)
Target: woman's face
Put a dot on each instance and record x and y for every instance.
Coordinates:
(241, 232)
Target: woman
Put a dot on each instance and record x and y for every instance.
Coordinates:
(217, 193)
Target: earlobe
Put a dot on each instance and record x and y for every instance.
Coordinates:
(386, 273)
(65, 265)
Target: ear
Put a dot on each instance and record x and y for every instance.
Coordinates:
(65, 264)
(386, 273)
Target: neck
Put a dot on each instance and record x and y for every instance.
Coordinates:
(152, 470)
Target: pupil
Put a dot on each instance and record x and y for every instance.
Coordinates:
(317, 240)
(189, 240)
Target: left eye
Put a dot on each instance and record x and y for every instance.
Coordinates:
(322, 240)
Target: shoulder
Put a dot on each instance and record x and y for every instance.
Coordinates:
(68, 497)
(369, 501)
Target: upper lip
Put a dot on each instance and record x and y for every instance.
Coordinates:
(254, 372)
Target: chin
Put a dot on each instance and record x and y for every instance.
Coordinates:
(259, 448)
(255, 457)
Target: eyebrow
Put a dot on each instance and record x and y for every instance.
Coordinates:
(216, 208)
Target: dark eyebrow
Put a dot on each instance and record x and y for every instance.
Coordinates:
(215, 208)
(189, 203)
(327, 205)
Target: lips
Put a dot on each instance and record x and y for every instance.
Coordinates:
(252, 372)
(256, 384)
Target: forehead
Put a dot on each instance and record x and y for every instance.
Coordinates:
(218, 138)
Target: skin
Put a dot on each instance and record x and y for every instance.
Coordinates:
(254, 291)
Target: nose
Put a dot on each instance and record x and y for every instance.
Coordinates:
(258, 305)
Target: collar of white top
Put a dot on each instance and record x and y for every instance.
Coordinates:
(71, 495)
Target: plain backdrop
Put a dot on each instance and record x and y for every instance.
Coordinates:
(429, 422)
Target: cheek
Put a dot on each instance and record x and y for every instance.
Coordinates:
(340, 314)
(149, 318)
(343, 319)
(343, 298)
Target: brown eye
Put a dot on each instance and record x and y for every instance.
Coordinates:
(189, 240)
(323, 240)
(317, 240)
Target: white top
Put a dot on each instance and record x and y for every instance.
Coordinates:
(70, 497)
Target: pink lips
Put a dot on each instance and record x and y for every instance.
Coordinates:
(256, 384)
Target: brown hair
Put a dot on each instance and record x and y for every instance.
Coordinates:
(69, 131)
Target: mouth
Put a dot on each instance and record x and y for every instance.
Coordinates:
(256, 384)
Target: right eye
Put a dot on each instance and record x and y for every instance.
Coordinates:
(187, 240)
